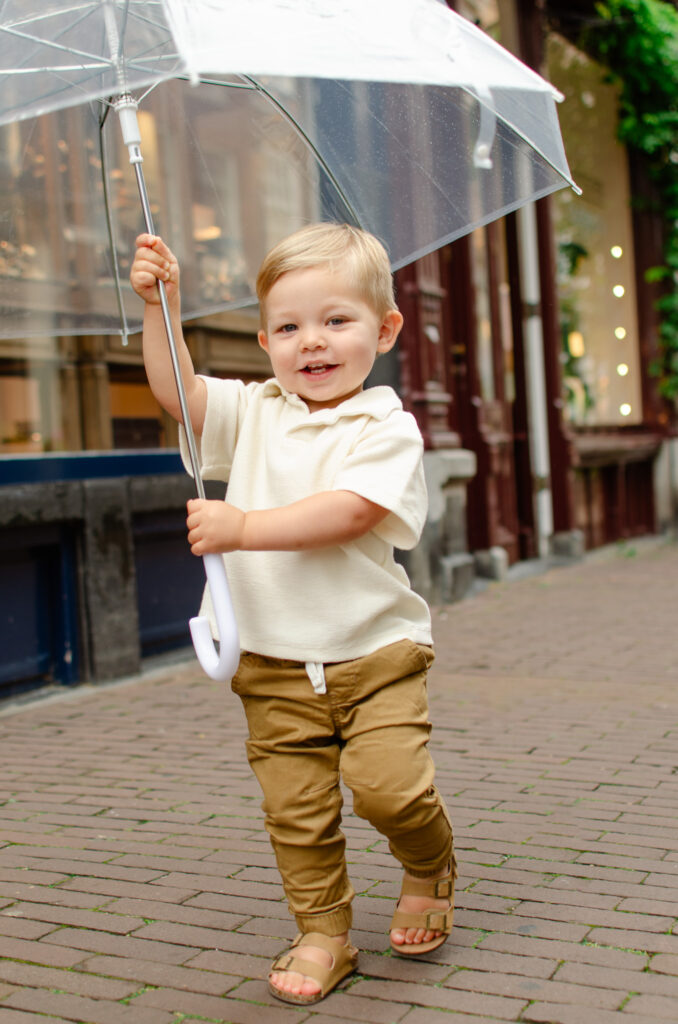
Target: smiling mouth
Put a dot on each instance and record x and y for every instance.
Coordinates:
(318, 369)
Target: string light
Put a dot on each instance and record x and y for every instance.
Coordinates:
(618, 290)
(620, 332)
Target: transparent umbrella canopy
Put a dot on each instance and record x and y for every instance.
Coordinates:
(397, 115)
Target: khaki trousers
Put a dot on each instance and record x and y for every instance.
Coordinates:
(372, 728)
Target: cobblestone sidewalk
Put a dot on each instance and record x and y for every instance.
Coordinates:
(137, 884)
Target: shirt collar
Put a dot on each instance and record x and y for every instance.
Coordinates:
(377, 402)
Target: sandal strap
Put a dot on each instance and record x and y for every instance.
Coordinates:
(435, 888)
(323, 941)
(344, 960)
(294, 964)
(431, 920)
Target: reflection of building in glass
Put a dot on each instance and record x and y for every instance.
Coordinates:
(55, 252)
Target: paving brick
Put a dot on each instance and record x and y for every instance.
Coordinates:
(422, 995)
(11, 926)
(665, 963)
(39, 953)
(57, 897)
(105, 887)
(578, 953)
(534, 988)
(631, 981)
(94, 1011)
(623, 939)
(120, 945)
(217, 1008)
(99, 921)
(654, 1008)
(8, 1016)
(148, 972)
(184, 913)
(553, 1013)
(593, 916)
(73, 981)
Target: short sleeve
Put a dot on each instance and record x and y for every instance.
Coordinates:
(386, 467)
(227, 402)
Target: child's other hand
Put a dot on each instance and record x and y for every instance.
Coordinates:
(153, 262)
(214, 527)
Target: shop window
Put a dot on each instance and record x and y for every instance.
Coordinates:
(596, 277)
(31, 393)
(136, 416)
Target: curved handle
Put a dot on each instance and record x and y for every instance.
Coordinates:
(220, 666)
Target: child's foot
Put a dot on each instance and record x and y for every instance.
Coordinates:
(430, 900)
(314, 965)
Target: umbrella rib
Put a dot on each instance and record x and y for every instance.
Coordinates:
(109, 225)
(304, 137)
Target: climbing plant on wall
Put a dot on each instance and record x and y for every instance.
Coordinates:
(637, 40)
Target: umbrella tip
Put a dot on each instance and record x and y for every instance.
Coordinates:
(481, 156)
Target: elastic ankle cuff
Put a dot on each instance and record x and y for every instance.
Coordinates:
(334, 923)
(433, 868)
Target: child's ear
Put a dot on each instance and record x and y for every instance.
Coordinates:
(390, 329)
(263, 340)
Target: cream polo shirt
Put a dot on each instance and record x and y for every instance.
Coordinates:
(335, 603)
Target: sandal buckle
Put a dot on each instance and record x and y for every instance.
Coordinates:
(443, 889)
(438, 921)
(282, 963)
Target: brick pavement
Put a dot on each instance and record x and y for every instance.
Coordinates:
(137, 885)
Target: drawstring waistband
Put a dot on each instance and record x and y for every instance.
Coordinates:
(315, 671)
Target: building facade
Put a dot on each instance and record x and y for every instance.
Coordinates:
(525, 358)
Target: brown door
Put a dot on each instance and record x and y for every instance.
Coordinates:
(485, 377)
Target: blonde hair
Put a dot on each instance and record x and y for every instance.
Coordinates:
(358, 252)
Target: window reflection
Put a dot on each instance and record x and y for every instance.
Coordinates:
(596, 283)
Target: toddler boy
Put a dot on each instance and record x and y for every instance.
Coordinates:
(324, 479)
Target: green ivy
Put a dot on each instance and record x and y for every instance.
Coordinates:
(637, 40)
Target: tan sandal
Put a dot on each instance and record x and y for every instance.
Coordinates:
(344, 962)
(432, 920)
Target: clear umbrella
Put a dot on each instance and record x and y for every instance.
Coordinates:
(396, 114)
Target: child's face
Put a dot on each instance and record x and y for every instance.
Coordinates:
(322, 337)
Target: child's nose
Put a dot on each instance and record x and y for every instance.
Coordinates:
(313, 339)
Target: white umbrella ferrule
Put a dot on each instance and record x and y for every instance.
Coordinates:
(126, 108)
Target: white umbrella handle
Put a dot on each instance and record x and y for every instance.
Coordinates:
(219, 665)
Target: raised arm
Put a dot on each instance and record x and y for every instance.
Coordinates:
(154, 262)
(322, 520)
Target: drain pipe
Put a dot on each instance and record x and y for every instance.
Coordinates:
(536, 379)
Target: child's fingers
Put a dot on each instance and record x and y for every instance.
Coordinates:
(152, 247)
(156, 244)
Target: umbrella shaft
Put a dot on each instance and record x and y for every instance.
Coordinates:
(164, 305)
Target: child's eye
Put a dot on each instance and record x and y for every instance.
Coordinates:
(287, 328)
(336, 321)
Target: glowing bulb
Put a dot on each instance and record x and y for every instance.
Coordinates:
(625, 409)
(618, 290)
(622, 369)
(575, 343)
(617, 251)
(620, 332)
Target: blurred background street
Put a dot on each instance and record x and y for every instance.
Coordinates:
(137, 884)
